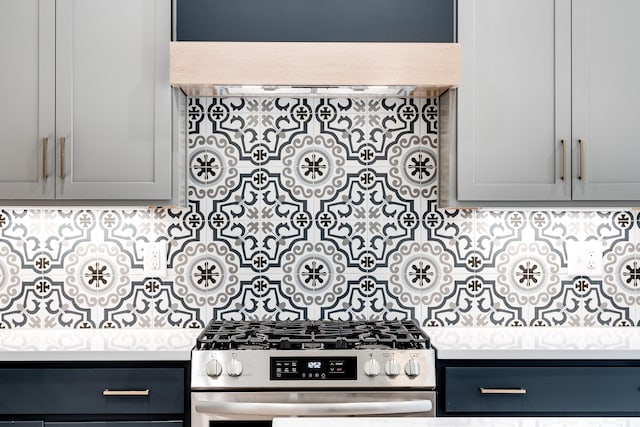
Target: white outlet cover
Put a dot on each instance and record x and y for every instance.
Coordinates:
(584, 258)
(160, 249)
(593, 258)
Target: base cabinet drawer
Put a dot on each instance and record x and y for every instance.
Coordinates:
(21, 424)
(115, 424)
(542, 390)
(26, 391)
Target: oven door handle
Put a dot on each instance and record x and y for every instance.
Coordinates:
(315, 409)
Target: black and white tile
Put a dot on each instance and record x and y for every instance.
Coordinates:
(319, 208)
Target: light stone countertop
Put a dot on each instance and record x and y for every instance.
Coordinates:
(536, 343)
(97, 344)
(457, 422)
(451, 343)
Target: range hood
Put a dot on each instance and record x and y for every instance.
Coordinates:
(314, 68)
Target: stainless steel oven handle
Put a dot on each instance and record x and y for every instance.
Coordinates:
(314, 409)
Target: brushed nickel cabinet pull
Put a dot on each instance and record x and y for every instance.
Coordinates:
(45, 143)
(503, 390)
(581, 170)
(107, 392)
(564, 159)
(62, 143)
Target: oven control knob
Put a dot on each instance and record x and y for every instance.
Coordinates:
(213, 368)
(372, 367)
(392, 368)
(235, 368)
(412, 368)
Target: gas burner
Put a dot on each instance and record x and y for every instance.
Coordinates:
(312, 334)
(257, 338)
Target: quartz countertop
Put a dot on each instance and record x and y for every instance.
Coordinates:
(451, 343)
(97, 344)
(536, 343)
(457, 422)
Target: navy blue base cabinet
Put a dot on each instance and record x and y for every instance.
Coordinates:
(538, 388)
(21, 424)
(113, 424)
(70, 394)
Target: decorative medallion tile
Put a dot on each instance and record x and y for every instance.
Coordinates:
(367, 298)
(455, 233)
(320, 208)
(583, 302)
(475, 301)
(260, 298)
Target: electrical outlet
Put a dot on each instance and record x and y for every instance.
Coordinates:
(584, 258)
(593, 258)
(155, 259)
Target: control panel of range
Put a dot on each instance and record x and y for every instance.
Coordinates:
(313, 368)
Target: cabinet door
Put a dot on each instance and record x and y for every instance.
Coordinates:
(82, 391)
(514, 100)
(550, 390)
(606, 67)
(21, 423)
(27, 49)
(280, 20)
(115, 424)
(113, 99)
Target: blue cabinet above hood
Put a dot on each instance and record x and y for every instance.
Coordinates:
(415, 21)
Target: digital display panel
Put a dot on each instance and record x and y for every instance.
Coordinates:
(313, 368)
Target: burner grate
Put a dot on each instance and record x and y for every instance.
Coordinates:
(312, 334)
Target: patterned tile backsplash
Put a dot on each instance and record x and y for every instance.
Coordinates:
(314, 208)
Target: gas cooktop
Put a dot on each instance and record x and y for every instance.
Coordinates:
(312, 354)
(312, 335)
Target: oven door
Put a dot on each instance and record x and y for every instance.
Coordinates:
(257, 408)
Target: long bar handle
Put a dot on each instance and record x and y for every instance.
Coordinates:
(315, 409)
(45, 143)
(107, 392)
(581, 170)
(484, 390)
(62, 158)
(564, 159)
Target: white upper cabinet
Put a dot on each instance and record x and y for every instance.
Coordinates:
(113, 99)
(606, 98)
(103, 101)
(514, 100)
(27, 103)
(547, 101)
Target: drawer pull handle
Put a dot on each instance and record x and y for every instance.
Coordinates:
(45, 142)
(564, 159)
(62, 159)
(580, 172)
(503, 390)
(107, 392)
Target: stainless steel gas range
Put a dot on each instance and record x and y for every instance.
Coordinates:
(247, 373)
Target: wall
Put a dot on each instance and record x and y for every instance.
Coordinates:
(314, 208)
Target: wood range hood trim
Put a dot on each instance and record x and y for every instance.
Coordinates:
(199, 67)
